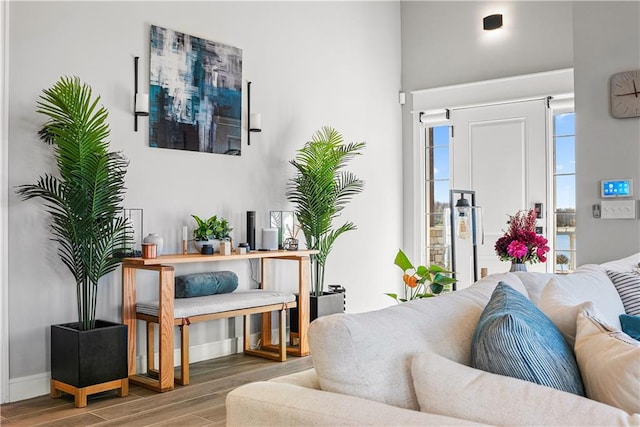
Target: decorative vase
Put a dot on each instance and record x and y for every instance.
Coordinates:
(155, 238)
(291, 244)
(518, 266)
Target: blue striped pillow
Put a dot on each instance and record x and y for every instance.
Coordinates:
(514, 338)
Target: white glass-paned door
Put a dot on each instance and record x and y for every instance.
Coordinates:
(499, 151)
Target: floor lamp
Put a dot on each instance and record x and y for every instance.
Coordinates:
(464, 217)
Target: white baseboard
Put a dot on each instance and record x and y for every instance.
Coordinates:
(38, 385)
(197, 353)
(28, 387)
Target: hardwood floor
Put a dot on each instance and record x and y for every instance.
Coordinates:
(201, 403)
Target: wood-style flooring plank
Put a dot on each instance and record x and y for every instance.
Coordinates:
(215, 413)
(64, 408)
(163, 400)
(199, 404)
(29, 406)
(169, 411)
(186, 421)
(76, 421)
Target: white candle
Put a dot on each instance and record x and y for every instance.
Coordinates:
(256, 122)
(184, 232)
(142, 103)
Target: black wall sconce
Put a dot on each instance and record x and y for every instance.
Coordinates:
(492, 22)
(140, 100)
(254, 120)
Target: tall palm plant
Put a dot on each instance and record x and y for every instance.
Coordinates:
(85, 197)
(320, 189)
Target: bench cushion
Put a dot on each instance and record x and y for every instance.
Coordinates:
(186, 307)
(210, 283)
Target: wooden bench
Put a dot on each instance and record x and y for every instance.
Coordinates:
(219, 306)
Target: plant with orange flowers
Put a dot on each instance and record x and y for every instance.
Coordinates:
(421, 281)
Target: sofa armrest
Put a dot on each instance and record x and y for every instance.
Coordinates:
(306, 379)
(277, 403)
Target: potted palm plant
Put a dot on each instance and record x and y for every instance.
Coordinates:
(83, 200)
(320, 190)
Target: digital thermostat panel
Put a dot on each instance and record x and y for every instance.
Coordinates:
(616, 188)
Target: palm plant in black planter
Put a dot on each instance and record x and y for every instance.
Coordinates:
(83, 199)
(320, 189)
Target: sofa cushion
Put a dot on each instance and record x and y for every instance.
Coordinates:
(534, 282)
(514, 338)
(591, 283)
(269, 403)
(306, 379)
(369, 354)
(448, 388)
(629, 263)
(562, 308)
(631, 325)
(609, 361)
(628, 286)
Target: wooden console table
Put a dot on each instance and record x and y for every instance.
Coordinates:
(164, 266)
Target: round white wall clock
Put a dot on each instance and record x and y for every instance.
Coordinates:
(625, 94)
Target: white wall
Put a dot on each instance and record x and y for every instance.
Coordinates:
(443, 44)
(606, 41)
(311, 64)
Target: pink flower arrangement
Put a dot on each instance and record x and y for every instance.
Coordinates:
(520, 242)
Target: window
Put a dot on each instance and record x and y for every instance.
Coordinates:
(564, 178)
(437, 186)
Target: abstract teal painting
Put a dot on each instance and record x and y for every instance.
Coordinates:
(195, 93)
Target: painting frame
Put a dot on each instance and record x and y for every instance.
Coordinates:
(195, 93)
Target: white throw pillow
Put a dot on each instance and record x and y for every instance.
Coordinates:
(534, 282)
(562, 308)
(609, 362)
(590, 283)
(448, 388)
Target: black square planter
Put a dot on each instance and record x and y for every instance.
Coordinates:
(325, 304)
(84, 358)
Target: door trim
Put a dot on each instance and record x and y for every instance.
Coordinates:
(4, 182)
(496, 91)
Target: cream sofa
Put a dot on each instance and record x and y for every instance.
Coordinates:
(363, 365)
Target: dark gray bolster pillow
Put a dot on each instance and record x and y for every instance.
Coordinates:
(201, 284)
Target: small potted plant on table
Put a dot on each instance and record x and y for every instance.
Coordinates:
(210, 231)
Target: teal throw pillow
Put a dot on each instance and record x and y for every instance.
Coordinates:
(631, 325)
(202, 284)
(515, 339)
